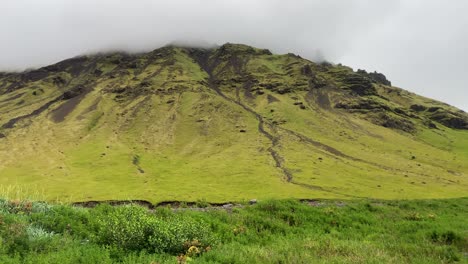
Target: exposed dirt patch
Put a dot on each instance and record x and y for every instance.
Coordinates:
(272, 99)
(58, 115)
(319, 97)
(73, 97)
(248, 89)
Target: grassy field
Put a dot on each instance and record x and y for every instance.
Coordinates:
(277, 231)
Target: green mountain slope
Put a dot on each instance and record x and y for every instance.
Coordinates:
(223, 124)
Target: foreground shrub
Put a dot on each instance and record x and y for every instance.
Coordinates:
(13, 235)
(126, 227)
(65, 219)
(133, 228)
(180, 235)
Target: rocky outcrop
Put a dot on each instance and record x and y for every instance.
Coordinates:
(73, 92)
(375, 77)
(450, 119)
(418, 108)
(358, 84)
(393, 121)
(458, 120)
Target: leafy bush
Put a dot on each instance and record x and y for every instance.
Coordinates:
(179, 234)
(133, 228)
(40, 207)
(40, 240)
(127, 227)
(65, 219)
(13, 233)
(38, 233)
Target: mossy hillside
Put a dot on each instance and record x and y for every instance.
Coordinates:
(192, 118)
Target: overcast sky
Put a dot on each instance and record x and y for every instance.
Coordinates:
(420, 45)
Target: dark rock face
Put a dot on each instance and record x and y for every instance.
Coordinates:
(59, 81)
(456, 122)
(450, 119)
(430, 124)
(97, 72)
(307, 70)
(35, 75)
(75, 91)
(418, 108)
(433, 109)
(379, 113)
(4, 74)
(390, 121)
(230, 49)
(265, 52)
(284, 90)
(359, 84)
(317, 83)
(376, 77)
(380, 78)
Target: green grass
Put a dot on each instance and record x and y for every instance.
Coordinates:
(275, 231)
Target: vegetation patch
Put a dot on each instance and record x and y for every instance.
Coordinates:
(279, 231)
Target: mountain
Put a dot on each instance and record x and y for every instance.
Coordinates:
(222, 124)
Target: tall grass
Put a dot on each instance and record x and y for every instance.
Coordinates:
(20, 192)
